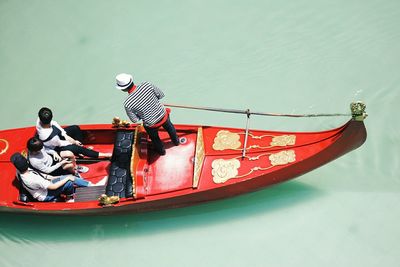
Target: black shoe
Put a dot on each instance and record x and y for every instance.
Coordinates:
(176, 142)
(161, 152)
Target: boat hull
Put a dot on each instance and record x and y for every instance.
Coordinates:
(327, 147)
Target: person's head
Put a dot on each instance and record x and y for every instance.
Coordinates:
(34, 145)
(20, 162)
(45, 115)
(124, 82)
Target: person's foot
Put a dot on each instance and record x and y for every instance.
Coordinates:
(161, 152)
(176, 141)
(82, 169)
(69, 199)
(105, 155)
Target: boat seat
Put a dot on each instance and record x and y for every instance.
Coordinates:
(120, 180)
(90, 193)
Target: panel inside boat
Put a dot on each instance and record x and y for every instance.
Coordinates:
(174, 171)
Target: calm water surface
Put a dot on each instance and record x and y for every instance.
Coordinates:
(290, 57)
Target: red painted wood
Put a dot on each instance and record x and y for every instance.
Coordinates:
(166, 182)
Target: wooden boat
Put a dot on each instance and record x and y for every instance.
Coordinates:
(209, 164)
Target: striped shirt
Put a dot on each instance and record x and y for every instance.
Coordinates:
(143, 104)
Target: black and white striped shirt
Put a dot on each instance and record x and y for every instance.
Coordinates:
(143, 104)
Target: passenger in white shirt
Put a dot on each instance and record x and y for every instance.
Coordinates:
(40, 188)
(49, 161)
(55, 137)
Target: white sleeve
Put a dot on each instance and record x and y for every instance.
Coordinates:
(40, 166)
(49, 151)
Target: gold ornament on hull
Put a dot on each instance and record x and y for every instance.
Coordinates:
(282, 158)
(105, 200)
(358, 110)
(118, 123)
(223, 170)
(283, 140)
(226, 169)
(4, 150)
(228, 140)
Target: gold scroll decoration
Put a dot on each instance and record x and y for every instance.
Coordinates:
(282, 158)
(283, 140)
(135, 158)
(199, 157)
(4, 150)
(225, 169)
(226, 140)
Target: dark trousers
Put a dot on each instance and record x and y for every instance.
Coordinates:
(155, 138)
(75, 132)
(78, 150)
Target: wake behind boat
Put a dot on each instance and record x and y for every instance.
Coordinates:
(210, 163)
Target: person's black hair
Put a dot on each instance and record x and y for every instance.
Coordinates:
(34, 144)
(45, 115)
(20, 162)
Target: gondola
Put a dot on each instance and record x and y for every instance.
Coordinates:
(210, 163)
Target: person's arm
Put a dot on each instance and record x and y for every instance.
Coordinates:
(43, 168)
(61, 182)
(72, 140)
(50, 151)
(53, 153)
(157, 91)
(64, 133)
(132, 116)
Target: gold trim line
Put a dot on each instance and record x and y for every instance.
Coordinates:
(199, 157)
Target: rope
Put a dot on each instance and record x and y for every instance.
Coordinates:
(248, 112)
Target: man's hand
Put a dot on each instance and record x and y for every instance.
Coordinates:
(78, 143)
(65, 161)
(56, 157)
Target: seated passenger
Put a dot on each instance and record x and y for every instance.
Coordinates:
(48, 161)
(47, 188)
(55, 137)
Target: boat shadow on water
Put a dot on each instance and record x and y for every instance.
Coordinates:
(27, 228)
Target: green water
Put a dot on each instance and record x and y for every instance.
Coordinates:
(288, 56)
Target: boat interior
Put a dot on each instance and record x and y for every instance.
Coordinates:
(134, 166)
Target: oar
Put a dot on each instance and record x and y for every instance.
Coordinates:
(248, 112)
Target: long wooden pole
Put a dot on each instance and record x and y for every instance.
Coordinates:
(247, 112)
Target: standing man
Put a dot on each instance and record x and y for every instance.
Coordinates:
(143, 104)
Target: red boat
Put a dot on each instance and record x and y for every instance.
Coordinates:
(210, 163)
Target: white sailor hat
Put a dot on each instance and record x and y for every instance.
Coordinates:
(123, 81)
